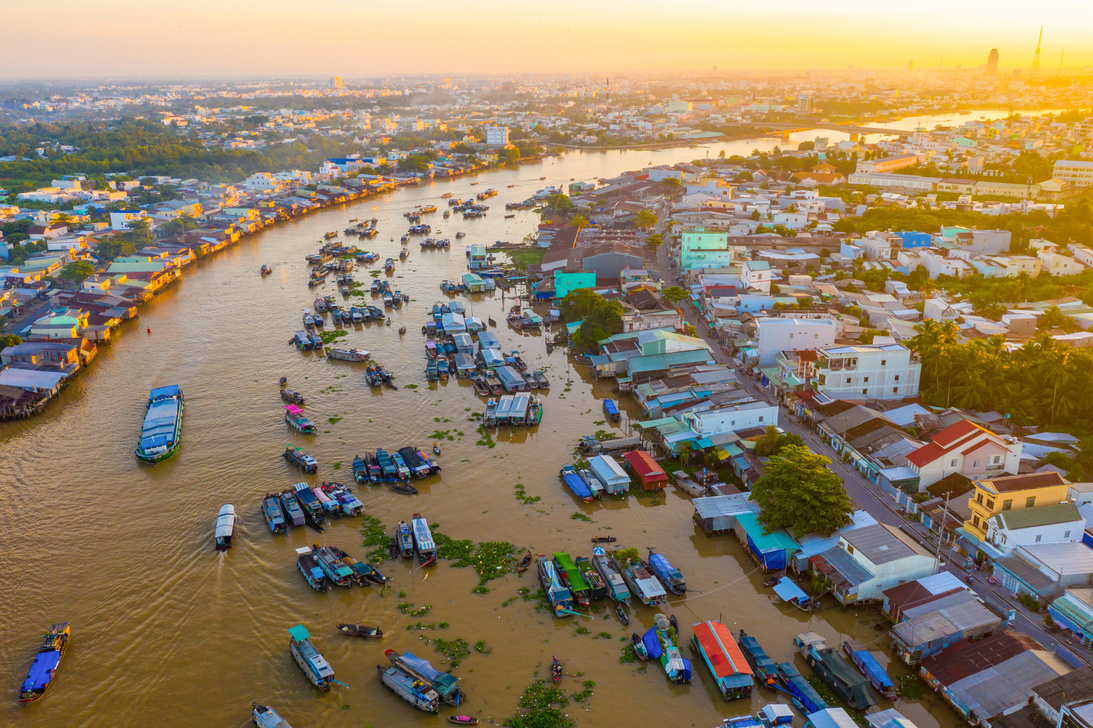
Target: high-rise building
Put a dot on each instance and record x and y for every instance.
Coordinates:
(497, 136)
(335, 82)
(992, 61)
(804, 104)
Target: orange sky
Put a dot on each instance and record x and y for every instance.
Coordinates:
(362, 37)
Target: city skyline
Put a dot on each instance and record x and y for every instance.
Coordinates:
(352, 40)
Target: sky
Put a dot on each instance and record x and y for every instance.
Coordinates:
(353, 38)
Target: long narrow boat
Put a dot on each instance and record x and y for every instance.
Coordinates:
(314, 666)
(162, 431)
(641, 582)
(297, 420)
(616, 587)
(333, 567)
(836, 671)
(405, 540)
(313, 510)
(445, 684)
(415, 692)
(804, 695)
(363, 572)
(294, 514)
(309, 567)
(225, 527)
(423, 540)
(571, 577)
(763, 668)
(360, 630)
(596, 585)
(868, 665)
(726, 662)
(44, 668)
(669, 575)
(273, 513)
(266, 717)
(560, 598)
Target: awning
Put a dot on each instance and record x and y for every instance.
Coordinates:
(788, 590)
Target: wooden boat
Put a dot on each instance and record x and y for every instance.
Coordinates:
(463, 720)
(604, 539)
(616, 587)
(423, 540)
(363, 572)
(292, 397)
(541, 379)
(162, 431)
(525, 562)
(668, 575)
(572, 578)
(641, 582)
(560, 598)
(611, 410)
(444, 683)
(273, 513)
(836, 672)
(295, 418)
(264, 716)
(224, 527)
(295, 456)
(401, 486)
(313, 509)
(555, 670)
(639, 647)
(44, 668)
(347, 354)
(415, 692)
(333, 567)
(309, 567)
(359, 630)
(595, 582)
(620, 612)
(314, 666)
(294, 514)
(405, 540)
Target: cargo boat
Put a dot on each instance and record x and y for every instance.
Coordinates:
(313, 510)
(616, 587)
(444, 683)
(264, 716)
(44, 668)
(596, 585)
(295, 418)
(332, 566)
(225, 527)
(415, 692)
(309, 567)
(572, 579)
(669, 576)
(273, 513)
(423, 540)
(641, 582)
(868, 666)
(560, 598)
(161, 434)
(726, 662)
(314, 666)
(836, 671)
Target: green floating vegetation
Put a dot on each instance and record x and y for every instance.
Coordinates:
(523, 497)
(910, 687)
(486, 439)
(482, 648)
(489, 559)
(628, 655)
(409, 386)
(420, 626)
(375, 535)
(334, 420)
(408, 609)
(455, 650)
(441, 435)
(541, 707)
(336, 466)
(329, 337)
(583, 630)
(586, 693)
(603, 636)
(578, 516)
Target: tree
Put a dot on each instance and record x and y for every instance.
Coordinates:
(113, 248)
(773, 442)
(799, 492)
(645, 219)
(1054, 318)
(654, 241)
(7, 340)
(675, 294)
(579, 220)
(75, 272)
(867, 336)
(601, 323)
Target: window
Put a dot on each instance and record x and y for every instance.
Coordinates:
(895, 390)
(990, 504)
(975, 463)
(1066, 535)
(1038, 539)
(760, 418)
(867, 380)
(1030, 501)
(952, 463)
(848, 380)
(849, 549)
(883, 362)
(864, 390)
(1007, 504)
(975, 521)
(979, 499)
(897, 377)
(995, 459)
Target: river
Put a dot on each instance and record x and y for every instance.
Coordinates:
(168, 632)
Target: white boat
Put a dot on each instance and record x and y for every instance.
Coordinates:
(225, 526)
(348, 354)
(314, 666)
(265, 716)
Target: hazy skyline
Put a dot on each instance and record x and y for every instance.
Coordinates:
(354, 37)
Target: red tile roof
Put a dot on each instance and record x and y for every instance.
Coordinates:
(959, 435)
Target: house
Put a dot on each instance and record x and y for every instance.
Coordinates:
(998, 495)
(646, 470)
(793, 334)
(945, 620)
(876, 371)
(610, 474)
(1073, 611)
(1044, 524)
(1045, 570)
(773, 550)
(869, 560)
(965, 448)
(899, 600)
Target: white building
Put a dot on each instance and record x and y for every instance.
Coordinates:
(120, 219)
(878, 371)
(1075, 173)
(792, 334)
(732, 418)
(1057, 523)
(497, 136)
(755, 275)
(870, 559)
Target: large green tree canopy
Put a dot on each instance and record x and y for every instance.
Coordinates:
(800, 493)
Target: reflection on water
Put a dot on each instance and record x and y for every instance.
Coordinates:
(163, 626)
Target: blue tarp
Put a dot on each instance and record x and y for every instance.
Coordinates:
(652, 643)
(422, 665)
(42, 670)
(576, 484)
(663, 568)
(873, 670)
(789, 591)
(774, 559)
(610, 408)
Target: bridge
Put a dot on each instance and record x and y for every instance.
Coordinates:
(854, 131)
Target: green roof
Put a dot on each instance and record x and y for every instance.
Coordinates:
(1042, 516)
(299, 633)
(778, 539)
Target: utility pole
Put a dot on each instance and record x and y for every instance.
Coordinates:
(941, 532)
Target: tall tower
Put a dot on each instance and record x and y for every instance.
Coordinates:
(992, 61)
(1036, 58)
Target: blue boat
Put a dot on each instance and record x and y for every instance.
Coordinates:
(162, 430)
(294, 514)
(313, 509)
(868, 665)
(314, 666)
(764, 668)
(803, 694)
(668, 575)
(423, 540)
(309, 567)
(387, 464)
(662, 647)
(274, 514)
(46, 662)
(576, 483)
(560, 598)
(611, 410)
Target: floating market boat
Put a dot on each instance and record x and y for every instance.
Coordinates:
(313, 509)
(572, 578)
(347, 354)
(387, 464)
(266, 270)
(403, 487)
(423, 540)
(461, 719)
(560, 598)
(359, 630)
(162, 431)
(314, 666)
(292, 397)
(726, 662)
(576, 483)
(266, 717)
(297, 420)
(331, 507)
(611, 410)
(596, 585)
(616, 587)
(415, 692)
(661, 644)
(333, 567)
(836, 671)
(403, 468)
(669, 576)
(303, 461)
(804, 695)
(273, 513)
(444, 683)
(641, 582)
(541, 379)
(367, 469)
(349, 504)
(620, 612)
(309, 567)
(405, 540)
(225, 527)
(44, 668)
(555, 670)
(525, 562)
(294, 514)
(363, 573)
(868, 665)
(763, 668)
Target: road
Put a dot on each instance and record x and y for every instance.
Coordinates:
(864, 494)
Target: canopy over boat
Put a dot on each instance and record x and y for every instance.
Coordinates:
(652, 643)
(225, 522)
(293, 409)
(442, 682)
(422, 536)
(610, 408)
(41, 672)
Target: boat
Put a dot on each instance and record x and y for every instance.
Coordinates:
(423, 540)
(403, 487)
(415, 461)
(386, 464)
(604, 539)
(359, 630)
(868, 666)
(294, 514)
(641, 582)
(575, 483)
(724, 659)
(303, 461)
(616, 587)
(363, 572)
(444, 683)
(763, 668)
(620, 612)
(661, 642)
(347, 354)
(639, 647)
(415, 692)
(295, 418)
(431, 371)
(273, 513)
(462, 719)
(366, 469)
(405, 540)
(804, 695)
(560, 598)
(400, 463)
(314, 666)
(669, 576)
(266, 270)
(264, 716)
(44, 668)
(436, 449)
(535, 412)
(309, 567)
(555, 670)
(161, 434)
(572, 578)
(460, 234)
(848, 684)
(313, 509)
(611, 410)
(525, 562)
(596, 585)
(292, 397)
(541, 379)
(333, 567)
(225, 527)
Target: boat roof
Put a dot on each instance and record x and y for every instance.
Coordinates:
(299, 632)
(872, 669)
(576, 484)
(423, 535)
(225, 523)
(318, 663)
(159, 423)
(171, 390)
(661, 565)
(720, 650)
(652, 643)
(650, 587)
(609, 405)
(788, 590)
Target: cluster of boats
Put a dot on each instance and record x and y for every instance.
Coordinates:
(323, 566)
(377, 376)
(398, 466)
(305, 504)
(365, 228)
(434, 244)
(519, 409)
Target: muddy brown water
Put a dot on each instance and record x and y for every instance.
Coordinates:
(168, 632)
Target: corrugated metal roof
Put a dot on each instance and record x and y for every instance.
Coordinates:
(877, 544)
(724, 505)
(1035, 517)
